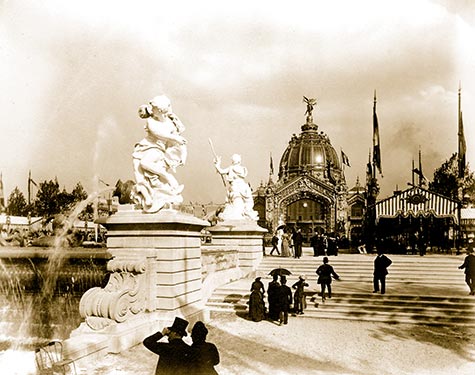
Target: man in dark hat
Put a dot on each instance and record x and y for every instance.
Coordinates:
(174, 355)
(205, 355)
(469, 266)
(381, 264)
(285, 300)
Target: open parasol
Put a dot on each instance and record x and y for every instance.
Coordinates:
(280, 272)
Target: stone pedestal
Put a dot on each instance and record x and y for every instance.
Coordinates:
(155, 276)
(243, 235)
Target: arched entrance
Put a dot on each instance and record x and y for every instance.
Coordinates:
(311, 213)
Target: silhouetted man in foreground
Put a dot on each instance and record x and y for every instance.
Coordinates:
(381, 264)
(174, 355)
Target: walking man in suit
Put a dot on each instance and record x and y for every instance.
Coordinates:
(469, 266)
(381, 264)
(275, 243)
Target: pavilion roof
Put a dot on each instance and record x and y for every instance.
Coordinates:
(416, 202)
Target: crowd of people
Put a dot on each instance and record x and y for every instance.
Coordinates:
(281, 301)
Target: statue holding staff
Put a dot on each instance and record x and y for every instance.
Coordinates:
(239, 201)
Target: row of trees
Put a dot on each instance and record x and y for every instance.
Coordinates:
(51, 200)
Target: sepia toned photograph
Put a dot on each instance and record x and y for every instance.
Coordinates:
(252, 187)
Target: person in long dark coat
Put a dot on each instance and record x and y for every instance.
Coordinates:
(204, 355)
(325, 273)
(174, 355)
(273, 298)
(469, 266)
(258, 284)
(381, 264)
(298, 241)
(285, 300)
(314, 243)
(300, 302)
(257, 308)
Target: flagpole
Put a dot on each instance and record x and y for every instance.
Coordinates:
(461, 167)
(29, 187)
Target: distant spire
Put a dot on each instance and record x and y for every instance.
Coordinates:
(271, 169)
(412, 173)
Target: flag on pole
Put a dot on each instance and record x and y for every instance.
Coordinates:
(344, 159)
(422, 179)
(376, 143)
(30, 180)
(462, 146)
(369, 169)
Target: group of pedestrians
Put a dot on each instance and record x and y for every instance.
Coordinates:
(287, 244)
(279, 297)
(176, 356)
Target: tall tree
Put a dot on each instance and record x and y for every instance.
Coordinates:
(47, 202)
(79, 194)
(446, 180)
(17, 205)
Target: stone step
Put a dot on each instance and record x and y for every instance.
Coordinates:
(374, 316)
(375, 299)
(423, 290)
(386, 310)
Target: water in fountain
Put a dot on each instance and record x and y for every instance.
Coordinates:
(40, 298)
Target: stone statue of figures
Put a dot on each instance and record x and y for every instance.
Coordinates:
(239, 202)
(157, 156)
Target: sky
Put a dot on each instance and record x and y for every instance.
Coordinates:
(73, 74)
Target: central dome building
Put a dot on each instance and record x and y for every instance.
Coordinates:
(311, 190)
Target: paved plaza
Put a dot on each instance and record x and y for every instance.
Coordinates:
(325, 346)
(314, 346)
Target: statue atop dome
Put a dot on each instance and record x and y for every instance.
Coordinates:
(310, 104)
(309, 125)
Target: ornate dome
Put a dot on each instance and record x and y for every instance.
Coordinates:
(310, 152)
